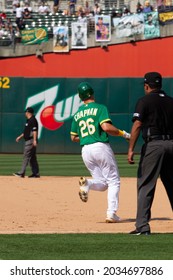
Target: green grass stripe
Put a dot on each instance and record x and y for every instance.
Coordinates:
(61, 165)
(86, 247)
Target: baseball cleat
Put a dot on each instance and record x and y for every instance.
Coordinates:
(82, 181)
(83, 194)
(113, 219)
(17, 174)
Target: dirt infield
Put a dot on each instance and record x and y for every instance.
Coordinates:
(52, 205)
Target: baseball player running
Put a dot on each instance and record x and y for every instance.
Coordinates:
(90, 126)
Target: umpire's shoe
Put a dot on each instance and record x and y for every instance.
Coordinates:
(17, 174)
(34, 176)
(136, 232)
(83, 192)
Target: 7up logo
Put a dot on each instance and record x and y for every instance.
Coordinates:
(52, 116)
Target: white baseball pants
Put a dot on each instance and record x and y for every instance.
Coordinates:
(101, 163)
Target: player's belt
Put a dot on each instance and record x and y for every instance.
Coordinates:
(159, 137)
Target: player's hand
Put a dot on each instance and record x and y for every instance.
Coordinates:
(126, 135)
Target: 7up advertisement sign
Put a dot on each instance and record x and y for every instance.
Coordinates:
(51, 115)
(54, 100)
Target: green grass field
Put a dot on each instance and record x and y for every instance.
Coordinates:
(85, 247)
(61, 165)
(79, 246)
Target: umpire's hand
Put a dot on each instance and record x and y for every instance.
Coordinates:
(130, 156)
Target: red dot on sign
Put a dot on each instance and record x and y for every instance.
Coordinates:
(47, 118)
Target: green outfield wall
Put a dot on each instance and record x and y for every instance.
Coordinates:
(55, 101)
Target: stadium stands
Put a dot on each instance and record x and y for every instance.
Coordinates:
(109, 7)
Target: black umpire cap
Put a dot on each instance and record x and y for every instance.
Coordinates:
(29, 110)
(153, 78)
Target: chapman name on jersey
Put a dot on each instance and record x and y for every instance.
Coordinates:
(86, 112)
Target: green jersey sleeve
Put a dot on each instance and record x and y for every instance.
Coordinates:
(104, 115)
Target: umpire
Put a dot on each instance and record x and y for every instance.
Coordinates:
(154, 117)
(29, 134)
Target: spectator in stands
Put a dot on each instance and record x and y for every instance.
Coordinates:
(1, 31)
(7, 32)
(2, 24)
(72, 7)
(27, 14)
(56, 4)
(139, 8)
(97, 9)
(47, 7)
(147, 7)
(161, 4)
(43, 9)
(28, 7)
(14, 5)
(3, 15)
(126, 11)
(19, 13)
(65, 12)
(15, 33)
(21, 25)
(8, 25)
(79, 10)
(2, 19)
(87, 9)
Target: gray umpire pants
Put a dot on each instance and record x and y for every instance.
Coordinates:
(156, 159)
(29, 157)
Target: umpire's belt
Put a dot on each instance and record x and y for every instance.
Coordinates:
(29, 138)
(158, 137)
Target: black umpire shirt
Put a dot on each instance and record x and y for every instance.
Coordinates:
(155, 111)
(30, 126)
